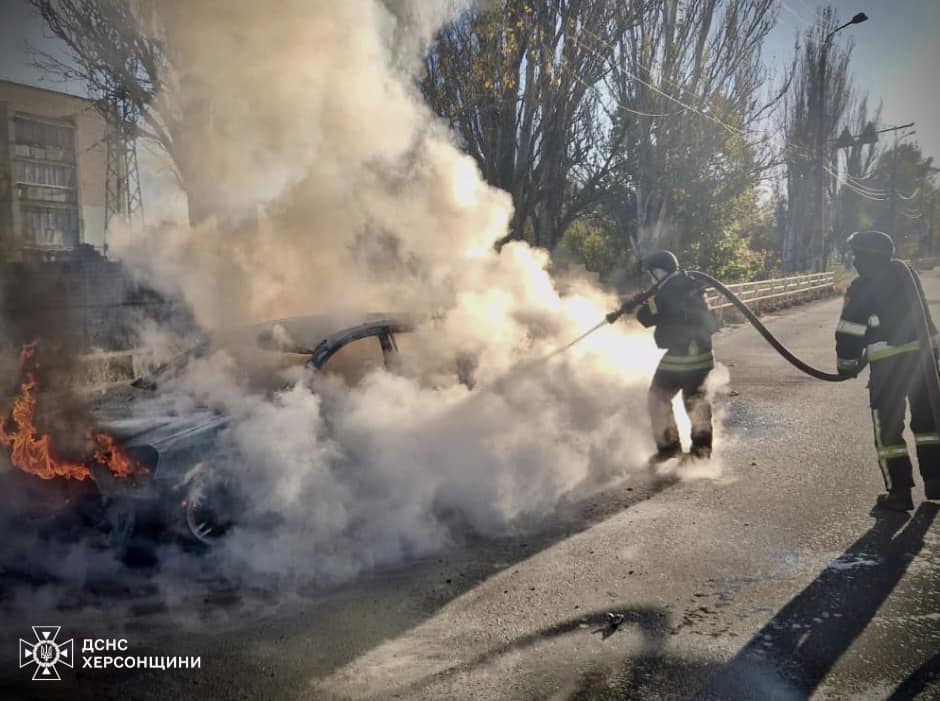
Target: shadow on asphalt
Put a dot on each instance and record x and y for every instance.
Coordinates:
(452, 573)
(790, 656)
(652, 623)
(922, 679)
(228, 611)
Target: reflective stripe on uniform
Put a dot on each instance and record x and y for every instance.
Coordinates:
(652, 305)
(893, 451)
(687, 363)
(707, 365)
(927, 438)
(881, 350)
(851, 328)
(687, 359)
(882, 460)
(873, 321)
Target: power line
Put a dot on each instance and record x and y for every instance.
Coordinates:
(793, 149)
(685, 106)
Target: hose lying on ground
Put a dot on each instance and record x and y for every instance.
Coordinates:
(763, 331)
(921, 318)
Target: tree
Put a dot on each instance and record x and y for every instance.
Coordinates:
(687, 83)
(121, 51)
(522, 90)
(908, 211)
(801, 119)
(851, 196)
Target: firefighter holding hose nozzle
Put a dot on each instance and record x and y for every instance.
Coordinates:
(683, 325)
(879, 326)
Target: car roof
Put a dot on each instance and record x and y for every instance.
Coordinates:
(303, 334)
(318, 336)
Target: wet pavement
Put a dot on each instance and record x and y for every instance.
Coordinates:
(769, 578)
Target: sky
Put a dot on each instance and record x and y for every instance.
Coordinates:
(895, 59)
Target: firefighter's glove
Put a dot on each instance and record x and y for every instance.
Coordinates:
(625, 308)
(849, 368)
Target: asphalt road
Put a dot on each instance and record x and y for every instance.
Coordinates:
(773, 581)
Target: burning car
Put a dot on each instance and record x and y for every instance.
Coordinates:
(157, 472)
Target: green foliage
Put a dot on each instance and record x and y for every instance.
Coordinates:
(908, 211)
(595, 242)
(725, 255)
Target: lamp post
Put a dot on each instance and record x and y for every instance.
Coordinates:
(820, 248)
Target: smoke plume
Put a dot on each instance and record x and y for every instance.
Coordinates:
(335, 191)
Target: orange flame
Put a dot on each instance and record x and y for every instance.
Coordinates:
(31, 451)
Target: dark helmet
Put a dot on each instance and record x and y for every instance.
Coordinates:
(872, 244)
(663, 261)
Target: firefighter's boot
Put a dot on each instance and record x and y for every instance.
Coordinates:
(665, 454)
(896, 500)
(701, 446)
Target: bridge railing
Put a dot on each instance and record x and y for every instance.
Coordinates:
(778, 292)
(925, 263)
(101, 368)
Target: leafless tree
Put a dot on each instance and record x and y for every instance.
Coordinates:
(689, 90)
(800, 120)
(120, 52)
(522, 86)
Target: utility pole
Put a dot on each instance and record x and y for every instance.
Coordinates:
(819, 250)
(123, 199)
(894, 177)
(870, 136)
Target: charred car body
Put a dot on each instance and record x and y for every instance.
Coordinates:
(185, 493)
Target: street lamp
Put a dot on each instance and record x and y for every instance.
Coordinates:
(820, 253)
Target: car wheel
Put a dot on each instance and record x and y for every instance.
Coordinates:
(210, 509)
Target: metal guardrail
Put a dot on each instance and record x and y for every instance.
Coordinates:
(776, 292)
(924, 263)
(108, 367)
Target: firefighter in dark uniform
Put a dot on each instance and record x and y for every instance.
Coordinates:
(683, 326)
(878, 326)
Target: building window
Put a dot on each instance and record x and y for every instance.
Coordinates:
(34, 133)
(53, 175)
(50, 227)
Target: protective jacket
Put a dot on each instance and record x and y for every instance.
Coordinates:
(684, 327)
(683, 324)
(879, 324)
(878, 318)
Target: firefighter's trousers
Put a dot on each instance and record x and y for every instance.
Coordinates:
(670, 379)
(895, 381)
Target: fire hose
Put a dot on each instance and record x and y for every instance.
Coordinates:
(749, 315)
(921, 320)
(765, 332)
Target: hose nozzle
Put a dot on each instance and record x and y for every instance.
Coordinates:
(631, 303)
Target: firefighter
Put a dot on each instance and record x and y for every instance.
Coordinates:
(683, 326)
(878, 326)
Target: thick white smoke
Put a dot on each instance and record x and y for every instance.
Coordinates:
(367, 205)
